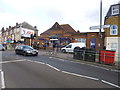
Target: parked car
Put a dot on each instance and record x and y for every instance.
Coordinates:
(70, 47)
(26, 50)
(2, 48)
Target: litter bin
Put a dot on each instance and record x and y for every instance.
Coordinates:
(78, 53)
(89, 55)
(107, 56)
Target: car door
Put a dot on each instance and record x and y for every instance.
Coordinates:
(21, 50)
(69, 48)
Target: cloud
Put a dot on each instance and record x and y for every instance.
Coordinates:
(80, 14)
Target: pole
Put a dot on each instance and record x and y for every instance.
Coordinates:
(100, 36)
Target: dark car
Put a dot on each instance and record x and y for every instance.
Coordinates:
(26, 50)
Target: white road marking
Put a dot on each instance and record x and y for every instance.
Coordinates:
(2, 80)
(81, 75)
(36, 62)
(45, 64)
(110, 83)
(12, 61)
(87, 64)
(115, 70)
(53, 67)
(92, 78)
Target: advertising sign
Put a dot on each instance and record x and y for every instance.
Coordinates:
(26, 32)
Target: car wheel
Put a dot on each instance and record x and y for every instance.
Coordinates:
(3, 49)
(36, 54)
(64, 51)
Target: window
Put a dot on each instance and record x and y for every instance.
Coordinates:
(81, 40)
(113, 30)
(113, 46)
(115, 10)
(69, 46)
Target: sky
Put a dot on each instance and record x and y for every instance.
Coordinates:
(79, 14)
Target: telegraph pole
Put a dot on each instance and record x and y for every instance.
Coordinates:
(100, 35)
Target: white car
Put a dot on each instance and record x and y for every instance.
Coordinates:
(2, 48)
(70, 47)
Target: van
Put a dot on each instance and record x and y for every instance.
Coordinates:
(70, 47)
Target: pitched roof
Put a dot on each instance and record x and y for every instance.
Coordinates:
(65, 27)
(26, 25)
(109, 13)
(56, 26)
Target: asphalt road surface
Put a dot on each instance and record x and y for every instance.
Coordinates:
(48, 72)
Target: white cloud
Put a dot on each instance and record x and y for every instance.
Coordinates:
(80, 14)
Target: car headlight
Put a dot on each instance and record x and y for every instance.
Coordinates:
(28, 51)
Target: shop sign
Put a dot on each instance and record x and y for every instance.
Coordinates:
(27, 32)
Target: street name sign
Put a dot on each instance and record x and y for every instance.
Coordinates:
(98, 27)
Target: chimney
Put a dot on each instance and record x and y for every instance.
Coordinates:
(16, 24)
(9, 27)
(35, 27)
(3, 28)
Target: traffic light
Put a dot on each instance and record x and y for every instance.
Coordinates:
(31, 36)
(35, 35)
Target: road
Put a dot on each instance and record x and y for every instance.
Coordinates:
(48, 72)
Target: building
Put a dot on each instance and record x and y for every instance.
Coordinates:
(57, 34)
(65, 34)
(91, 39)
(20, 33)
(112, 39)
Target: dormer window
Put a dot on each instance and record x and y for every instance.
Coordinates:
(114, 30)
(115, 10)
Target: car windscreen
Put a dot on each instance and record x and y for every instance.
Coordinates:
(1, 46)
(27, 47)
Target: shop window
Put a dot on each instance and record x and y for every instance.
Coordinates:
(113, 30)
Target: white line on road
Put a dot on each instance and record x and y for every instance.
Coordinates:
(2, 80)
(36, 62)
(110, 83)
(53, 67)
(88, 64)
(81, 75)
(88, 77)
(12, 61)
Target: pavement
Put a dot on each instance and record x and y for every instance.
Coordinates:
(69, 56)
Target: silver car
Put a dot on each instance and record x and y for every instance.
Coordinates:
(2, 48)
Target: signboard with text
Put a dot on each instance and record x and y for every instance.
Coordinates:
(26, 32)
(98, 27)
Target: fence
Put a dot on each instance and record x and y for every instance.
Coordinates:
(103, 58)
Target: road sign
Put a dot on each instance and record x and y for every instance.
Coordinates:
(98, 27)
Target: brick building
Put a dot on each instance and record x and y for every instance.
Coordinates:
(90, 38)
(65, 34)
(112, 39)
(59, 34)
